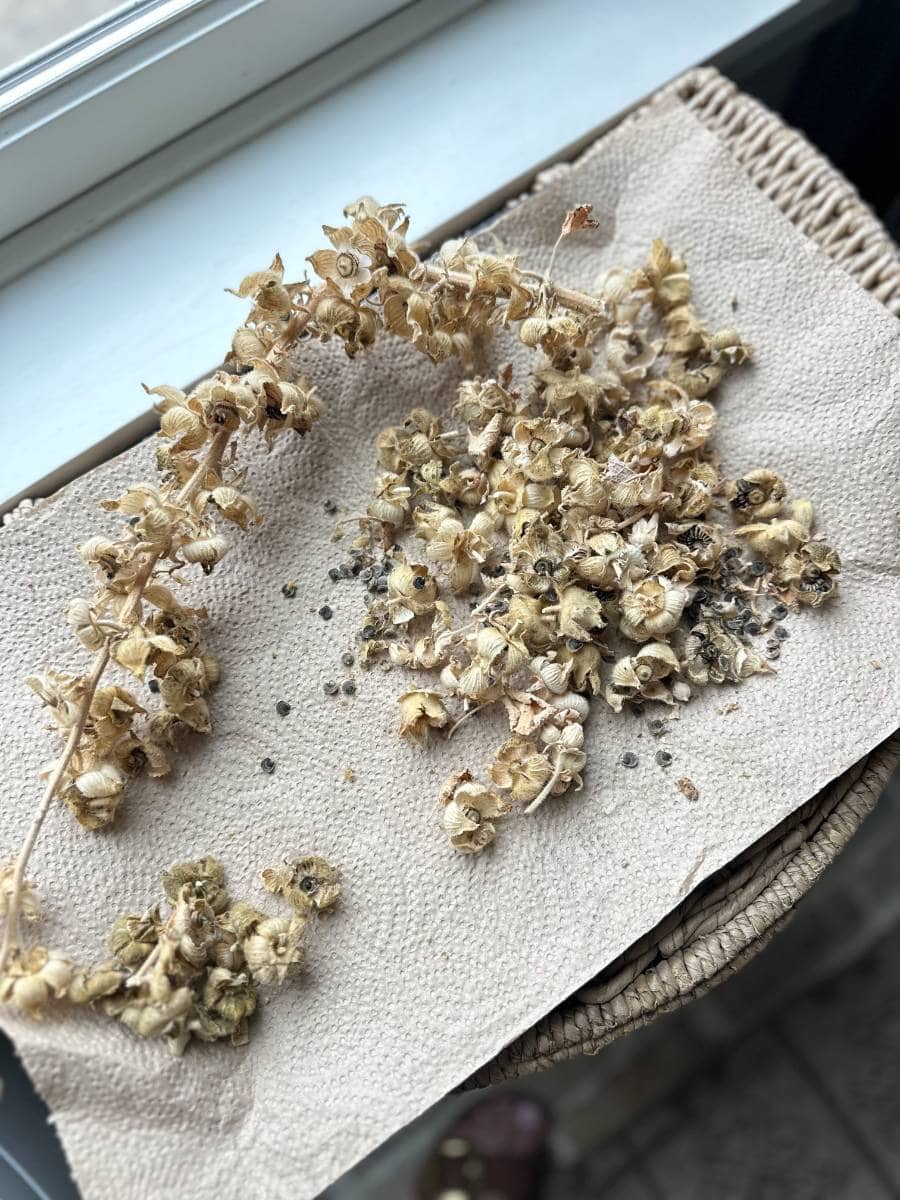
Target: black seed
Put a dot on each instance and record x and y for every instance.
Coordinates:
(356, 568)
(781, 633)
(330, 688)
(267, 765)
(153, 685)
(326, 613)
(289, 591)
(330, 507)
(334, 574)
(733, 624)
(368, 633)
(347, 659)
(752, 627)
(366, 575)
(348, 687)
(551, 596)
(758, 567)
(664, 758)
(419, 582)
(282, 708)
(656, 725)
(629, 759)
(133, 520)
(573, 644)
(774, 652)
(378, 586)
(778, 612)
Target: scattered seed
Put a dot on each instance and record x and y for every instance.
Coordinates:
(368, 632)
(267, 765)
(629, 759)
(153, 685)
(366, 574)
(347, 659)
(330, 688)
(664, 758)
(344, 572)
(330, 507)
(326, 613)
(282, 708)
(781, 633)
(752, 627)
(656, 725)
(348, 687)
(688, 788)
(773, 652)
(289, 590)
(133, 520)
(758, 567)
(334, 574)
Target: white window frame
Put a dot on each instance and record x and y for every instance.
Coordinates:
(448, 105)
(135, 78)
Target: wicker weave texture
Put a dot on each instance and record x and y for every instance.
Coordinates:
(729, 918)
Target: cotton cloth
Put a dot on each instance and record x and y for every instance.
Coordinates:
(434, 961)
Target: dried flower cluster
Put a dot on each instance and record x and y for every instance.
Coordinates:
(191, 968)
(582, 502)
(585, 509)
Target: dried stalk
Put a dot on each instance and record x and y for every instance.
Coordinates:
(211, 461)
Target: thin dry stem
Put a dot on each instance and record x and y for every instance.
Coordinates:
(568, 297)
(210, 461)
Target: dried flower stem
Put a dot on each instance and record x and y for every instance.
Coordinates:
(576, 301)
(210, 461)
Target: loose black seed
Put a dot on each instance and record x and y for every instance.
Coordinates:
(153, 685)
(347, 659)
(289, 591)
(368, 633)
(656, 725)
(774, 652)
(758, 567)
(378, 586)
(629, 759)
(267, 765)
(778, 612)
(752, 627)
(356, 568)
(282, 708)
(664, 758)
(348, 687)
(344, 571)
(330, 507)
(781, 633)
(325, 613)
(334, 574)
(419, 582)
(366, 575)
(330, 688)
(133, 520)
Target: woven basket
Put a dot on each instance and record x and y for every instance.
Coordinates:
(730, 917)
